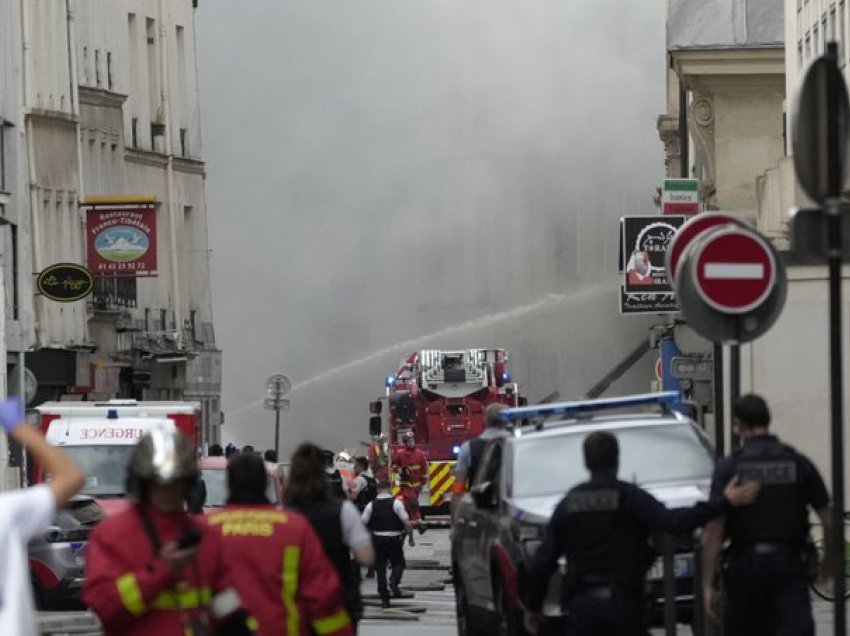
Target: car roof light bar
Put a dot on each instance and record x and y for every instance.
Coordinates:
(665, 399)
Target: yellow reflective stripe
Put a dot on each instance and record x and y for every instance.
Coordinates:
(252, 623)
(130, 593)
(330, 624)
(291, 557)
(189, 598)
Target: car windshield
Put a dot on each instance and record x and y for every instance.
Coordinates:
(215, 480)
(648, 454)
(104, 466)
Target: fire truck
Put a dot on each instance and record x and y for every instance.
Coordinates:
(99, 437)
(440, 397)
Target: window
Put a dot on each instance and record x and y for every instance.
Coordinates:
(134, 131)
(184, 142)
(86, 65)
(109, 83)
(97, 67)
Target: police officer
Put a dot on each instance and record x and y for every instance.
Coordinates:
(602, 526)
(765, 574)
(471, 451)
(387, 520)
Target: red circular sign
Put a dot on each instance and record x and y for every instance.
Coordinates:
(688, 232)
(734, 270)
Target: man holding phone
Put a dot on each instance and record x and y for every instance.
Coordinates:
(154, 569)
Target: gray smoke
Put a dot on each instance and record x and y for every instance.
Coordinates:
(389, 175)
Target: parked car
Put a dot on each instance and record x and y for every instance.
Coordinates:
(214, 474)
(57, 558)
(500, 523)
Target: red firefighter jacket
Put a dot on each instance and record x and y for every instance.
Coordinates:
(281, 572)
(132, 591)
(416, 464)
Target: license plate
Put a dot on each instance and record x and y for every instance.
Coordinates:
(683, 566)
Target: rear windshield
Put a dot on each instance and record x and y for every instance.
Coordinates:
(648, 454)
(104, 466)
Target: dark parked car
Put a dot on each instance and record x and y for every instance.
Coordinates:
(523, 475)
(57, 559)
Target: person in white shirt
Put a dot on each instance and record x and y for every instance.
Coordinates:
(388, 522)
(24, 514)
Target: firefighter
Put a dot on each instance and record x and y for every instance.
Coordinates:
(271, 550)
(154, 569)
(378, 456)
(412, 466)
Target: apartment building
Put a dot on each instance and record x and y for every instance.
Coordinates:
(104, 132)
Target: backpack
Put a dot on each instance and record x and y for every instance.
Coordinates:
(368, 494)
(476, 450)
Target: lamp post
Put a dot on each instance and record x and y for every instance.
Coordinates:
(277, 386)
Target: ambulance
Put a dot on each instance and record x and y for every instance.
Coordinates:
(99, 437)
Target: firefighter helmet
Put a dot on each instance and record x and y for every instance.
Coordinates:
(163, 455)
(408, 435)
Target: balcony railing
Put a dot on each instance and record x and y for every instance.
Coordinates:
(114, 294)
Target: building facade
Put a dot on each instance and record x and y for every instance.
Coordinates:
(750, 173)
(106, 117)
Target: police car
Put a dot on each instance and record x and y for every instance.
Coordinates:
(523, 474)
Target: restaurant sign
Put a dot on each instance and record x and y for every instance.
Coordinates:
(65, 282)
(121, 240)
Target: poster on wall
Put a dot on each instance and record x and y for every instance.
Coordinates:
(644, 287)
(121, 240)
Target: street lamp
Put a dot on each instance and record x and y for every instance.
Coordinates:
(277, 386)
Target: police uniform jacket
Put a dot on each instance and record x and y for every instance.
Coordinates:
(602, 526)
(789, 484)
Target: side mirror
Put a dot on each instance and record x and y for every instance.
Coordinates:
(482, 495)
(376, 407)
(375, 425)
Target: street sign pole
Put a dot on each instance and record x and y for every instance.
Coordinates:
(832, 209)
(820, 133)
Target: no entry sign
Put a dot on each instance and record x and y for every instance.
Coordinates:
(734, 270)
(688, 232)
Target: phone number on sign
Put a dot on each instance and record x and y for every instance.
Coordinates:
(114, 267)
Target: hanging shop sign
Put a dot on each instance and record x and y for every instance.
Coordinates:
(65, 282)
(121, 240)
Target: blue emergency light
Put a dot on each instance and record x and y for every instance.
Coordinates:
(506, 377)
(389, 382)
(664, 399)
(456, 449)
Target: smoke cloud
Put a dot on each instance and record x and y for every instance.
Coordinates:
(386, 175)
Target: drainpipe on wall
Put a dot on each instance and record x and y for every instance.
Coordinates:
(169, 173)
(75, 110)
(35, 225)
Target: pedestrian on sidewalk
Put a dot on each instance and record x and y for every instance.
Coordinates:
(270, 550)
(335, 520)
(388, 522)
(25, 514)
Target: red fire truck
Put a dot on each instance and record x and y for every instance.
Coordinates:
(440, 396)
(99, 437)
